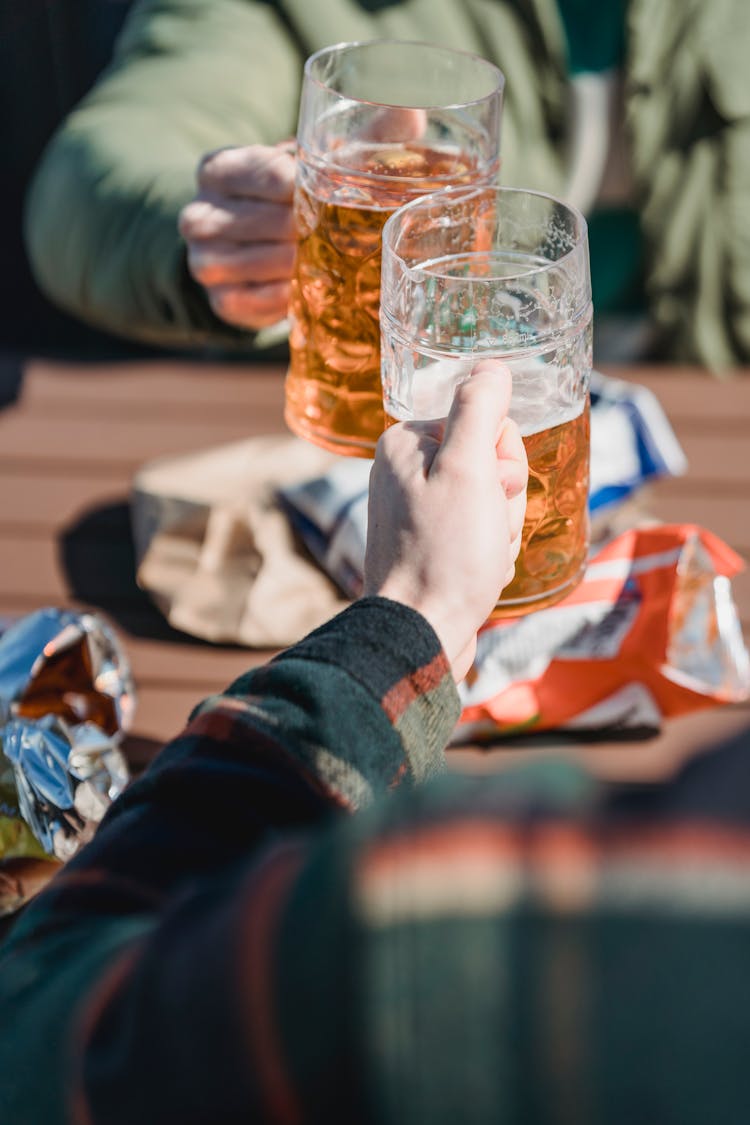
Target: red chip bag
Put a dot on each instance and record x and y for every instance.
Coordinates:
(651, 631)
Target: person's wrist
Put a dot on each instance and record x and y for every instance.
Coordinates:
(448, 625)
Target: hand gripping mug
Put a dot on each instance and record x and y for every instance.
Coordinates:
(476, 272)
(380, 123)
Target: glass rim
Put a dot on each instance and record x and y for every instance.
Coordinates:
(360, 44)
(467, 191)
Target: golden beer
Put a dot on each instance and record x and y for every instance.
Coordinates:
(555, 537)
(511, 283)
(333, 388)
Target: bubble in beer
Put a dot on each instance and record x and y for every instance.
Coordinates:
(333, 389)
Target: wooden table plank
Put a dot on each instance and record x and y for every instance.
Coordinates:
(691, 397)
(207, 669)
(164, 387)
(30, 570)
(626, 759)
(163, 710)
(719, 514)
(715, 458)
(161, 656)
(114, 440)
(69, 447)
(54, 499)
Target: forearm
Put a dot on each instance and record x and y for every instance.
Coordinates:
(101, 219)
(115, 259)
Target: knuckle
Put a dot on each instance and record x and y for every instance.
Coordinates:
(221, 168)
(514, 482)
(203, 272)
(194, 267)
(216, 164)
(223, 300)
(196, 220)
(390, 442)
(246, 306)
(186, 220)
(267, 317)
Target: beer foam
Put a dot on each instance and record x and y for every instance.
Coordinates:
(544, 395)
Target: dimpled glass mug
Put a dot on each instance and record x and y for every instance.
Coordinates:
(476, 272)
(380, 123)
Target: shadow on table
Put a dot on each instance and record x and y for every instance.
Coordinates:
(562, 739)
(98, 558)
(11, 379)
(14, 361)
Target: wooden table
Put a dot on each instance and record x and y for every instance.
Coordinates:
(71, 441)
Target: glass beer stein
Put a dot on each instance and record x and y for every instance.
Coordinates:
(380, 123)
(476, 272)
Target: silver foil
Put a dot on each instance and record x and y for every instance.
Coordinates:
(706, 649)
(66, 700)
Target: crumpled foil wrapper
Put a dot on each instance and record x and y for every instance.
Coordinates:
(66, 699)
(706, 650)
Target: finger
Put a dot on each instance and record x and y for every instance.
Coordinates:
(513, 467)
(461, 665)
(222, 263)
(256, 172)
(502, 374)
(396, 123)
(509, 445)
(480, 405)
(516, 518)
(513, 477)
(410, 447)
(250, 306)
(237, 220)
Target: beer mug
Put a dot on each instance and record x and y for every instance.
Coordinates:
(476, 272)
(380, 123)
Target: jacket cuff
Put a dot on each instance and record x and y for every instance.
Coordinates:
(394, 655)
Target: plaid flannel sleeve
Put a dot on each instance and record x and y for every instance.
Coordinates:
(165, 922)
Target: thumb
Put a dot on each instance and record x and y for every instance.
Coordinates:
(479, 408)
(396, 124)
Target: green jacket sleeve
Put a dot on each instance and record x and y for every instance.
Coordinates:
(188, 76)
